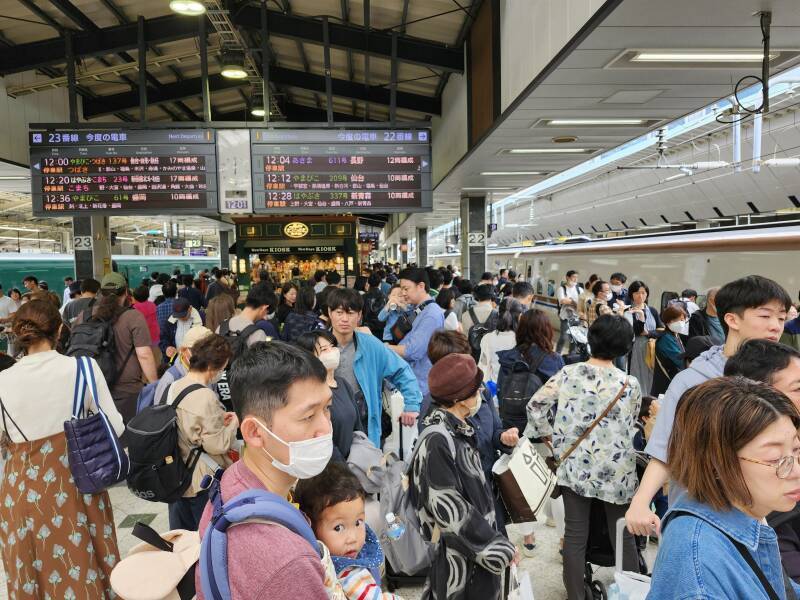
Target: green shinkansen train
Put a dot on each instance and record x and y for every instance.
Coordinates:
(52, 268)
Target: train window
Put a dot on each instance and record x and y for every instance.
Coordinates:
(538, 287)
(551, 288)
(667, 297)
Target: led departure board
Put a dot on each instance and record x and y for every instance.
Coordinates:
(123, 171)
(341, 171)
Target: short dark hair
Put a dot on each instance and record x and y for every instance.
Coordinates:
(336, 484)
(484, 292)
(571, 272)
(32, 278)
(689, 293)
(759, 360)
(163, 278)
(261, 294)
(435, 278)
(374, 280)
(295, 271)
(751, 291)
(509, 315)
(306, 300)
(345, 298)
(187, 280)
(619, 276)
(671, 313)
(210, 352)
(69, 278)
(444, 342)
(332, 278)
(447, 276)
(502, 271)
(308, 340)
(360, 284)
(261, 377)
(512, 274)
(169, 289)
(141, 293)
(597, 286)
(522, 289)
(154, 275)
(610, 337)
(90, 286)
(713, 421)
(445, 297)
(637, 285)
(416, 275)
(644, 410)
(465, 286)
(487, 275)
(319, 274)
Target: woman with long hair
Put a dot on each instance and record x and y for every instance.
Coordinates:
(534, 351)
(286, 301)
(447, 299)
(502, 338)
(59, 543)
(302, 318)
(220, 308)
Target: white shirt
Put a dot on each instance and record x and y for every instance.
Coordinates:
(7, 307)
(691, 307)
(155, 292)
(492, 343)
(38, 393)
(451, 322)
(66, 297)
(573, 293)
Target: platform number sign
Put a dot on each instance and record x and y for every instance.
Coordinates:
(476, 238)
(82, 242)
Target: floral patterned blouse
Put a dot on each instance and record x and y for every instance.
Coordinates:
(603, 466)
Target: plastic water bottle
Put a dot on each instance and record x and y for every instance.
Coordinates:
(396, 528)
(614, 593)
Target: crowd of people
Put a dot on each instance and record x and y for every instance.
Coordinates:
(681, 419)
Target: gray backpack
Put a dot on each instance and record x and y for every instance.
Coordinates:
(411, 554)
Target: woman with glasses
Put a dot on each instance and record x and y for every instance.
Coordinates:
(733, 451)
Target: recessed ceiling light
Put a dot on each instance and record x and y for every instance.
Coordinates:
(717, 56)
(191, 8)
(493, 173)
(549, 151)
(14, 177)
(568, 122)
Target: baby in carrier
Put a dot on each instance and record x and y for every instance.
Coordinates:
(334, 502)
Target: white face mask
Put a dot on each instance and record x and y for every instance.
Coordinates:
(616, 289)
(681, 327)
(307, 458)
(330, 358)
(571, 283)
(474, 409)
(608, 297)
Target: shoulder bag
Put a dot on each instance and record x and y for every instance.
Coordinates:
(551, 460)
(96, 457)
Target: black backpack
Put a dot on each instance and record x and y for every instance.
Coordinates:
(517, 383)
(373, 305)
(238, 343)
(158, 473)
(94, 337)
(478, 330)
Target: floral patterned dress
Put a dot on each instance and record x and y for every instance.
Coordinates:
(603, 466)
(57, 543)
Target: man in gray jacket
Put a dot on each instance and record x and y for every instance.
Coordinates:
(752, 307)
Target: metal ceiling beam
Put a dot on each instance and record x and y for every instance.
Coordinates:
(112, 40)
(294, 112)
(189, 88)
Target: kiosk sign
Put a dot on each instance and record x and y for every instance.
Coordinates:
(123, 171)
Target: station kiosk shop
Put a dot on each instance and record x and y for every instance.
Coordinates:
(310, 242)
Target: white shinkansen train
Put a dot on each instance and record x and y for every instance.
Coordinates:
(667, 263)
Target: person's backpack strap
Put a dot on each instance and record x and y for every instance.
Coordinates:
(225, 327)
(248, 331)
(252, 505)
(183, 393)
(474, 317)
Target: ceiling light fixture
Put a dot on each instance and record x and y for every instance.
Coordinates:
(482, 189)
(14, 177)
(692, 57)
(511, 173)
(191, 8)
(570, 122)
(14, 239)
(549, 151)
(7, 227)
(233, 65)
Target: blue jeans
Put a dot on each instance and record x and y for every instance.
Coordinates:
(186, 512)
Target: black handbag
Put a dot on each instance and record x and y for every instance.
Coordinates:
(402, 327)
(96, 457)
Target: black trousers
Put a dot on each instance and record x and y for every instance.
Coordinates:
(577, 521)
(186, 512)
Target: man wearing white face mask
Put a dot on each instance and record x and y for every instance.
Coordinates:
(282, 401)
(347, 414)
(202, 423)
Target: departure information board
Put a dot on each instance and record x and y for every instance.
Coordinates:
(341, 171)
(123, 171)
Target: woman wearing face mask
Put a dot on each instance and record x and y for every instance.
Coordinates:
(734, 449)
(645, 321)
(448, 487)
(670, 349)
(202, 422)
(600, 303)
(347, 415)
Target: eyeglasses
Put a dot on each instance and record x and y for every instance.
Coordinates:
(783, 466)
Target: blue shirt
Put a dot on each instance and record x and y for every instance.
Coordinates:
(416, 342)
(697, 559)
(390, 318)
(164, 312)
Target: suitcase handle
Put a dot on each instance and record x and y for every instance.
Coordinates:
(621, 525)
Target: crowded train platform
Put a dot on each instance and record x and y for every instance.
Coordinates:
(399, 300)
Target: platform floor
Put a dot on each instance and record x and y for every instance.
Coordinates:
(544, 567)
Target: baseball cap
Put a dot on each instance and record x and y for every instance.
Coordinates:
(180, 308)
(113, 281)
(194, 335)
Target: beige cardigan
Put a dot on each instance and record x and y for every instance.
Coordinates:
(201, 422)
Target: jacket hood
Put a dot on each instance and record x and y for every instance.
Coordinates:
(370, 557)
(710, 364)
(792, 327)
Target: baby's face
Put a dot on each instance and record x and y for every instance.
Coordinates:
(341, 528)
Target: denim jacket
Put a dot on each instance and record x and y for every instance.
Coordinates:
(698, 561)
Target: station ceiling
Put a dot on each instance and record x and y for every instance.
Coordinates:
(588, 81)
